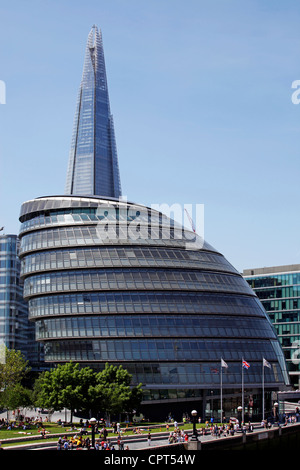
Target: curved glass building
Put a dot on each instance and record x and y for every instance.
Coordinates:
(112, 281)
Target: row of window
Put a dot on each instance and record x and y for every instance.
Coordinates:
(74, 216)
(292, 342)
(153, 326)
(230, 405)
(11, 293)
(147, 217)
(104, 234)
(284, 305)
(133, 279)
(120, 256)
(198, 374)
(7, 262)
(81, 204)
(288, 329)
(8, 244)
(288, 279)
(11, 278)
(279, 293)
(286, 316)
(159, 350)
(144, 302)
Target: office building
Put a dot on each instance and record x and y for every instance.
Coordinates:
(15, 330)
(278, 289)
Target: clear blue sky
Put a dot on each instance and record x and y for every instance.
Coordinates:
(201, 93)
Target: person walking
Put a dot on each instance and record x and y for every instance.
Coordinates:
(59, 443)
(66, 445)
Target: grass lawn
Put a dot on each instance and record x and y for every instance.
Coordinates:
(33, 431)
(54, 428)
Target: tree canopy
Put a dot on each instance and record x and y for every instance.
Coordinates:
(73, 387)
(13, 370)
(65, 386)
(108, 391)
(113, 392)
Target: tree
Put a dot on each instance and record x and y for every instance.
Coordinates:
(72, 387)
(65, 386)
(13, 370)
(113, 393)
(16, 397)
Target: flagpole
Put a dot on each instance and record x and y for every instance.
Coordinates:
(242, 392)
(221, 391)
(263, 391)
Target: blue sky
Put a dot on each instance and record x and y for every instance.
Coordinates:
(201, 97)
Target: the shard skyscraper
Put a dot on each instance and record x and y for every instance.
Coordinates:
(93, 162)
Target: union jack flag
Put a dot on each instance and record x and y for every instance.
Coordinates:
(246, 365)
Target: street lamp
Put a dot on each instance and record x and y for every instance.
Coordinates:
(195, 434)
(92, 422)
(275, 411)
(240, 411)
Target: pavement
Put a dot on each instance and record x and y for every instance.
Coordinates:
(133, 442)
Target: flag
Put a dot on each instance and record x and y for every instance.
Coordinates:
(246, 364)
(266, 363)
(223, 363)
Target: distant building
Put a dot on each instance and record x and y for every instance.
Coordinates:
(278, 289)
(16, 332)
(93, 163)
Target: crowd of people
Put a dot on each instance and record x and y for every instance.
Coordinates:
(80, 442)
(82, 438)
(22, 422)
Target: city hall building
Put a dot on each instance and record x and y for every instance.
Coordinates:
(109, 280)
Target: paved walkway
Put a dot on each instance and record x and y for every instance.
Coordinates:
(143, 444)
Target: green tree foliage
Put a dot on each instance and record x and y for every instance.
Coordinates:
(16, 397)
(66, 386)
(13, 370)
(72, 387)
(113, 392)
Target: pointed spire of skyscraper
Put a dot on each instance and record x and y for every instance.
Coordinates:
(93, 163)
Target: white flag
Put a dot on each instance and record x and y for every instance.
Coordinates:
(223, 364)
(266, 363)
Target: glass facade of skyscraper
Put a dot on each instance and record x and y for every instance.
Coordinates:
(15, 330)
(278, 289)
(105, 283)
(93, 163)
